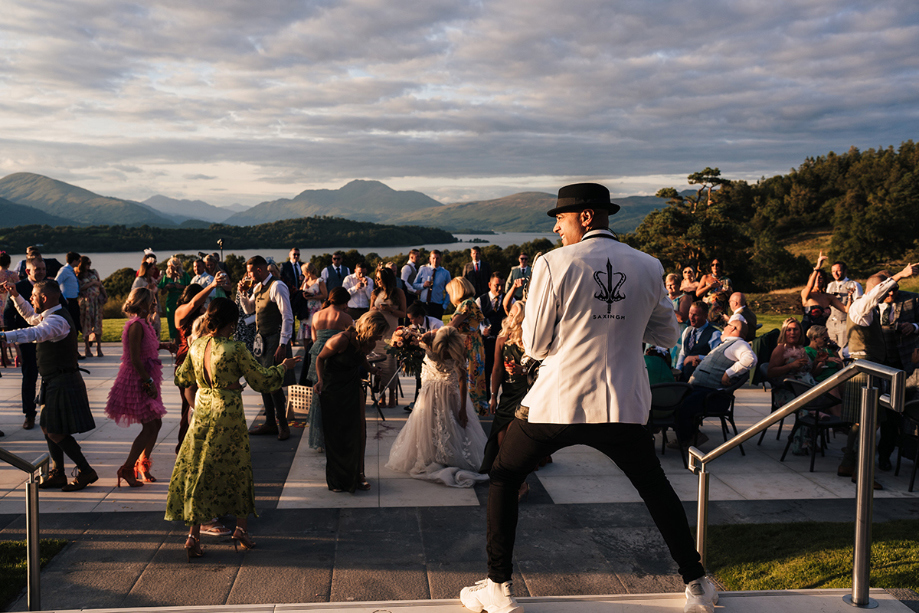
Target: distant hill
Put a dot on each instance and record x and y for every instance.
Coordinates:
(183, 210)
(317, 232)
(359, 200)
(12, 215)
(75, 204)
(523, 212)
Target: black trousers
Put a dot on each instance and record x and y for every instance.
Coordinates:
(630, 446)
(29, 366)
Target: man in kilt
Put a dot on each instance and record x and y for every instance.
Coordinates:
(883, 327)
(62, 396)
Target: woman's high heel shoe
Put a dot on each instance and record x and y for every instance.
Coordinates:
(193, 547)
(126, 473)
(142, 470)
(241, 537)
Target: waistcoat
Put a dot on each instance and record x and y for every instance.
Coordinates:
(702, 346)
(56, 356)
(867, 342)
(268, 318)
(713, 367)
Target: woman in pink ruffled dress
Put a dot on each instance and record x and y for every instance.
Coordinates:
(135, 397)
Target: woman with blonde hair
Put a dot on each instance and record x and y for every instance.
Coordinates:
(213, 471)
(135, 397)
(339, 386)
(442, 441)
(315, 292)
(91, 298)
(467, 319)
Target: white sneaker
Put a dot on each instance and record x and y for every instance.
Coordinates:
(491, 597)
(701, 596)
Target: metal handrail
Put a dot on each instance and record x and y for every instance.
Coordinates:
(33, 559)
(698, 460)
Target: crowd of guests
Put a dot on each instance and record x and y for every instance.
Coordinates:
(345, 320)
(839, 321)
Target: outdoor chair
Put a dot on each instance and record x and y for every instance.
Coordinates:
(774, 402)
(720, 404)
(299, 399)
(666, 400)
(820, 428)
(909, 439)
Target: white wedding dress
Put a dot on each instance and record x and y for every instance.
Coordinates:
(433, 446)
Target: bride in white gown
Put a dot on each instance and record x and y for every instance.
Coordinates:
(442, 440)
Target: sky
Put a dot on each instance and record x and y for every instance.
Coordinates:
(241, 102)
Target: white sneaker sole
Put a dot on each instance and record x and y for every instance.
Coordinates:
(701, 608)
(472, 603)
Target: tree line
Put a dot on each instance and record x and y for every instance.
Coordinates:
(313, 231)
(869, 200)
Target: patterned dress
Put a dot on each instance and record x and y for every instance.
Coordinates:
(213, 471)
(91, 303)
(127, 402)
(475, 350)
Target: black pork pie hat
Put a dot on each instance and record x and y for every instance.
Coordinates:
(579, 196)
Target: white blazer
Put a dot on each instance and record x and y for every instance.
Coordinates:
(589, 308)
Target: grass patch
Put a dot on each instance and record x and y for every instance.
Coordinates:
(13, 565)
(811, 555)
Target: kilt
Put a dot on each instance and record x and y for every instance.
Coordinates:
(852, 400)
(270, 345)
(64, 404)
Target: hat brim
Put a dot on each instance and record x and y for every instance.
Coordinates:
(610, 207)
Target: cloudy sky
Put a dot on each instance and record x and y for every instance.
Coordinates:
(242, 101)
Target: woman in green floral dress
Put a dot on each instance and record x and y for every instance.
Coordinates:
(467, 319)
(213, 471)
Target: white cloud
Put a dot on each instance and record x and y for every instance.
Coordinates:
(462, 97)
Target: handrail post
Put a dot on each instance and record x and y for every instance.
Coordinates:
(702, 513)
(33, 557)
(861, 567)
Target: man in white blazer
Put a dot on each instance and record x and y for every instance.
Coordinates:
(591, 304)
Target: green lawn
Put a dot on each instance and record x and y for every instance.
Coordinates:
(13, 565)
(811, 555)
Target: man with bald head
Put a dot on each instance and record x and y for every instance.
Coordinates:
(738, 304)
(589, 308)
(883, 327)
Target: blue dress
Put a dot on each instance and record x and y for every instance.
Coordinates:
(316, 438)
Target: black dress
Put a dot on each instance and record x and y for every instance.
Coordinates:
(513, 389)
(342, 418)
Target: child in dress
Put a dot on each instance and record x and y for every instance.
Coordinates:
(135, 396)
(442, 440)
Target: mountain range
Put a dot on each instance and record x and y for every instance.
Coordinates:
(42, 200)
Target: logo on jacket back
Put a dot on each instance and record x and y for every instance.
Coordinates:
(609, 293)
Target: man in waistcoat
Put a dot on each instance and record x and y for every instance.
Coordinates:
(65, 405)
(846, 290)
(334, 275)
(408, 274)
(492, 305)
(274, 325)
(721, 367)
(883, 327)
(28, 364)
(697, 340)
(421, 322)
(591, 304)
(477, 271)
(519, 277)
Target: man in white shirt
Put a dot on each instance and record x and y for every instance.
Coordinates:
(882, 327)
(274, 325)
(586, 320)
(63, 398)
(408, 274)
(421, 322)
(360, 286)
(722, 367)
(846, 290)
(202, 278)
